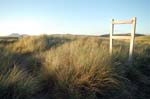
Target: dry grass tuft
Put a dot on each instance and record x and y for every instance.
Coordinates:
(17, 84)
(81, 66)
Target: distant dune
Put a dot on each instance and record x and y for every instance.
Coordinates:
(107, 35)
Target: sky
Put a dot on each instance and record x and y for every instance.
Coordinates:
(85, 17)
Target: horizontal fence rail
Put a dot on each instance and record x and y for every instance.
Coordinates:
(121, 37)
(123, 22)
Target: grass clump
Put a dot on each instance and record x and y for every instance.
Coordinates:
(81, 69)
(32, 44)
(17, 84)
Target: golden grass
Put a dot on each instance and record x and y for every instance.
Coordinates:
(81, 65)
(17, 84)
(72, 67)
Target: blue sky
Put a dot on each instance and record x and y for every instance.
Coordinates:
(89, 17)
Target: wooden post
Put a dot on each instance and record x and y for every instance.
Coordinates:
(111, 33)
(132, 39)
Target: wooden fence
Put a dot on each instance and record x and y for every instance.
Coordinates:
(131, 38)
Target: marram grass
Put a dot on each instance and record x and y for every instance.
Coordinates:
(73, 67)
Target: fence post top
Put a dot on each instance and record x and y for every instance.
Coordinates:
(134, 18)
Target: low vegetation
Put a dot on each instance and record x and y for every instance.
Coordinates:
(73, 67)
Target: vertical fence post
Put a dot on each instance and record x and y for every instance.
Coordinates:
(132, 40)
(111, 40)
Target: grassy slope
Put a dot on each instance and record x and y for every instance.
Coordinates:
(73, 67)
